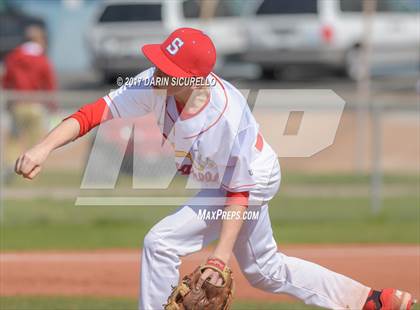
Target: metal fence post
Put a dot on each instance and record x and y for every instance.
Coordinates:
(2, 150)
(364, 84)
(376, 165)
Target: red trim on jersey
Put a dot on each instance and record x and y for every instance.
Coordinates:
(237, 198)
(185, 115)
(179, 106)
(115, 106)
(224, 109)
(259, 144)
(170, 117)
(234, 188)
(91, 115)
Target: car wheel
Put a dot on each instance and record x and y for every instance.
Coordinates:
(272, 73)
(109, 78)
(268, 73)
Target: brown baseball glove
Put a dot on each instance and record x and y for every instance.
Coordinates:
(188, 296)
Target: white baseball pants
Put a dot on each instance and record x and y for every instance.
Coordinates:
(183, 233)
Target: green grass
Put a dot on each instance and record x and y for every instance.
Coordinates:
(51, 178)
(88, 303)
(349, 179)
(65, 303)
(58, 224)
(48, 179)
(72, 181)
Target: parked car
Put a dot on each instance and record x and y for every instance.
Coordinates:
(13, 23)
(120, 28)
(330, 33)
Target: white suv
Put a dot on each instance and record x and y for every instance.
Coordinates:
(329, 32)
(121, 27)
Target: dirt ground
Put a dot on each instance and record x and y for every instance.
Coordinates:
(116, 272)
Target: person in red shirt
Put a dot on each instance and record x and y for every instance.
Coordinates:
(27, 68)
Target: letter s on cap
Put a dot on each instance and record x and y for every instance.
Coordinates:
(173, 48)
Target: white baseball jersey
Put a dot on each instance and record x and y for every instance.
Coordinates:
(220, 146)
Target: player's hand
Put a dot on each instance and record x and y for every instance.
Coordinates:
(212, 276)
(29, 164)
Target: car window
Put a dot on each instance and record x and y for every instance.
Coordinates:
(382, 6)
(131, 13)
(191, 9)
(224, 8)
(287, 7)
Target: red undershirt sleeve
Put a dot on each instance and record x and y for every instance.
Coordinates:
(91, 115)
(237, 198)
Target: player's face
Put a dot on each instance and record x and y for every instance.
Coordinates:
(164, 81)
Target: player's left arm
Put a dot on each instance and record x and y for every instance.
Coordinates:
(229, 233)
(236, 176)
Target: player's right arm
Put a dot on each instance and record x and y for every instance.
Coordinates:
(29, 164)
(127, 101)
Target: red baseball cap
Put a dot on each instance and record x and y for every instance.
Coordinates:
(187, 52)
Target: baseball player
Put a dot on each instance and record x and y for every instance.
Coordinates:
(217, 143)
